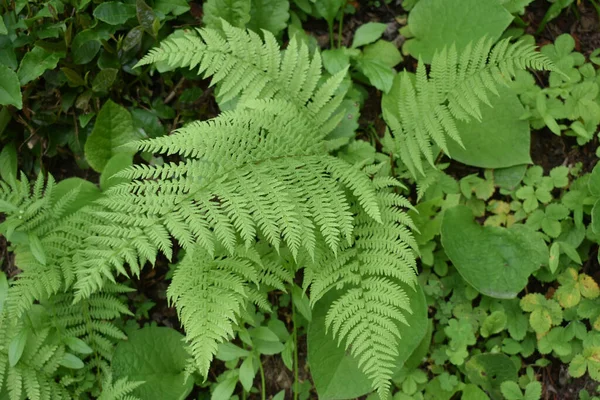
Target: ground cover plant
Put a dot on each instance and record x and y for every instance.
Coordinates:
(296, 199)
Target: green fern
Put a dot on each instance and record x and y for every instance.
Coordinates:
(454, 89)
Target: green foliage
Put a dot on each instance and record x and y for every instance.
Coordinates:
(428, 106)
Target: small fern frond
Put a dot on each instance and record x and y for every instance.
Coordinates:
(373, 275)
(209, 294)
(428, 105)
(118, 390)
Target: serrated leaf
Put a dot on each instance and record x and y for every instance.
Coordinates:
(554, 256)
(10, 89)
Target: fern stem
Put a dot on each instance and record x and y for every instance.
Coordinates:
(263, 389)
(295, 339)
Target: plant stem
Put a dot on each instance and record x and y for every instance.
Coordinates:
(295, 339)
(331, 35)
(263, 389)
(340, 28)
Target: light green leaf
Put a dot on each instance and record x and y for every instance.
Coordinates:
(368, 33)
(175, 7)
(301, 303)
(157, 356)
(8, 161)
(554, 256)
(113, 128)
(36, 247)
(236, 12)
(438, 23)
(117, 163)
(35, 63)
(271, 15)
(10, 90)
(114, 12)
(3, 290)
(384, 51)
(329, 9)
(502, 139)
(71, 361)
(495, 261)
(16, 347)
(533, 391)
(472, 392)
(247, 373)
(3, 30)
(336, 374)
(78, 345)
(86, 193)
(380, 75)
(511, 390)
(224, 389)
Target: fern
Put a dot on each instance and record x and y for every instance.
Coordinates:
(454, 89)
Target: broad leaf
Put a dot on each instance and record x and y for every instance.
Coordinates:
(500, 140)
(495, 261)
(157, 356)
(271, 15)
(368, 33)
(35, 63)
(489, 371)
(236, 12)
(175, 7)
(8, 162)
(10, 90)
(336, 374)
(114, 12)
(438, 23)
(113, 128)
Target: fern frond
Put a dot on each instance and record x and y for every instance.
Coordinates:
(246, 66)
(373, 273)
(429, 105)
(209, 294)
(118, 390)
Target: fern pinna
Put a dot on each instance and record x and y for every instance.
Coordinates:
(429, 103)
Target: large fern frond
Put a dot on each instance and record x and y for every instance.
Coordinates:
(429, 104)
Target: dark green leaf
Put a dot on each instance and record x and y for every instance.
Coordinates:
(104, 80)
(114, 12)
(146, 17)
(175, 7)
(8, 162)
(35, 63)
(10, 90)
